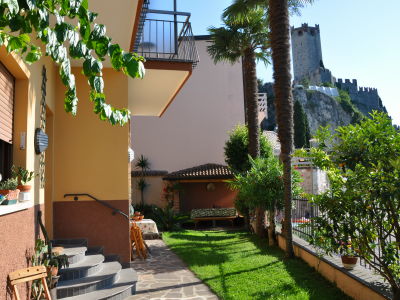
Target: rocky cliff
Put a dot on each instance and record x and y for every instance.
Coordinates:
(321, 110)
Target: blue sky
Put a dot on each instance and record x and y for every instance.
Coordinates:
(360, 40)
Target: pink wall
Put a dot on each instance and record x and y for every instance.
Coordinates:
(194, 128)
(196, 195)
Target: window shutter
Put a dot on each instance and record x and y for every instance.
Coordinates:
(7, 84)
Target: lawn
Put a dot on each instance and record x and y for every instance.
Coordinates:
(238, 266)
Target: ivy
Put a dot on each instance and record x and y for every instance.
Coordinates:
(74, 35)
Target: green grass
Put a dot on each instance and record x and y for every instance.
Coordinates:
(238, 266)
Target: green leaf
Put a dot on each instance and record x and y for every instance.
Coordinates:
(132, 68)
(101, 47)
(12, 5)
(85, 4)
(61, 31)
(16, 23)
(14, 44)
(142, 70)
(99, 31)
(97, 83)
(34, 55)
(78, 51)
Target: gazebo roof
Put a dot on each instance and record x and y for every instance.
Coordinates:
(206, 171)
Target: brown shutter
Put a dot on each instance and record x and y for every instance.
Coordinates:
(6, 104)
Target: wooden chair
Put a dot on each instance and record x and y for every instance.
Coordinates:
(137, 242)
(28, 274)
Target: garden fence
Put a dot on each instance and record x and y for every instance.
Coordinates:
(303, 213)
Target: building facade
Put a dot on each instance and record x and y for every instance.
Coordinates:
(195, 128)
(84, 154)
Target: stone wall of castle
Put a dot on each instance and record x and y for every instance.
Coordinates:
(366, 99)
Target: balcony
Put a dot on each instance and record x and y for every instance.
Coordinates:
(166, 36)
(165, 39)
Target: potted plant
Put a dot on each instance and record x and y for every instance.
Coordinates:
(56, 263)
(348, 254)
(24, 176)
(9, 189)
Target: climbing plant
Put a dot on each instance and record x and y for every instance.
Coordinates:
(67, 30)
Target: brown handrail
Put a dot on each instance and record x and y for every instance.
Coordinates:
(102, 202)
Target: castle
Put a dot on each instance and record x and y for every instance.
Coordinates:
(309, 69)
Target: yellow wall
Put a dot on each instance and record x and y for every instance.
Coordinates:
(91, 156)
(28, 81)
(350, 286)
(153, 194)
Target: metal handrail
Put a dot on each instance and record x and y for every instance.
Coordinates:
(102, 202)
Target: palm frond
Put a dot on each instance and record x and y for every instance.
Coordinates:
(225, 45)
(142, 163)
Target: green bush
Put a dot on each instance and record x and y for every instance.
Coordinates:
(362, 204)
(236, 149)
(348, 106)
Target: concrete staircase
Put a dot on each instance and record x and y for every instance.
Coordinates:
(91, 275)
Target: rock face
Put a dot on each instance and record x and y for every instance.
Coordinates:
(321, 109)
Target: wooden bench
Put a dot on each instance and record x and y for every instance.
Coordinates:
(214, 219)
(213, 214)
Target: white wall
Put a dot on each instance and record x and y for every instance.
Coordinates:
(195, 127)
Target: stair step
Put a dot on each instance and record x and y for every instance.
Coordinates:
(112, 257)
(95, 250)
(86, 267)
(106, 276)
(75, 254)
(66, 242)
(124, 287)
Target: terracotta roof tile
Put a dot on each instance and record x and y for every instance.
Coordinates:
(207, 171)
(148, 173)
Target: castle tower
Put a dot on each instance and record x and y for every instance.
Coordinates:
(306, 51)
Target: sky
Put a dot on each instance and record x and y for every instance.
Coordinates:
(360, 40)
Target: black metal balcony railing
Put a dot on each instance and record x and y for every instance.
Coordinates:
(168, 40)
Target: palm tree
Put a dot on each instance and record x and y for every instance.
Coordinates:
(277, 12)
(280, 43)
(246, 39)
(143, 164)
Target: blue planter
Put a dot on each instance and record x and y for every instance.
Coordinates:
(9, 202)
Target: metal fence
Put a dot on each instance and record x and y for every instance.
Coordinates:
(169, 40)
(302, 213)
(302, 225)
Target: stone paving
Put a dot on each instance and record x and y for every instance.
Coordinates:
(164, 276)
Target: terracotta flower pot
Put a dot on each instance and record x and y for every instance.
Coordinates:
(24, 188)
(349, 262)
(53, 270)
(12, 196)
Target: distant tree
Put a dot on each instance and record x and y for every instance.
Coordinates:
(277, 12)
(237, 158)
(143, 165)
(301, 127)
(237, 151)
(245, 39)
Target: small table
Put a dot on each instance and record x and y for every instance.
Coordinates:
(147, 226)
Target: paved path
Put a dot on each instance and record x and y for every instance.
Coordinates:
(165, 276)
